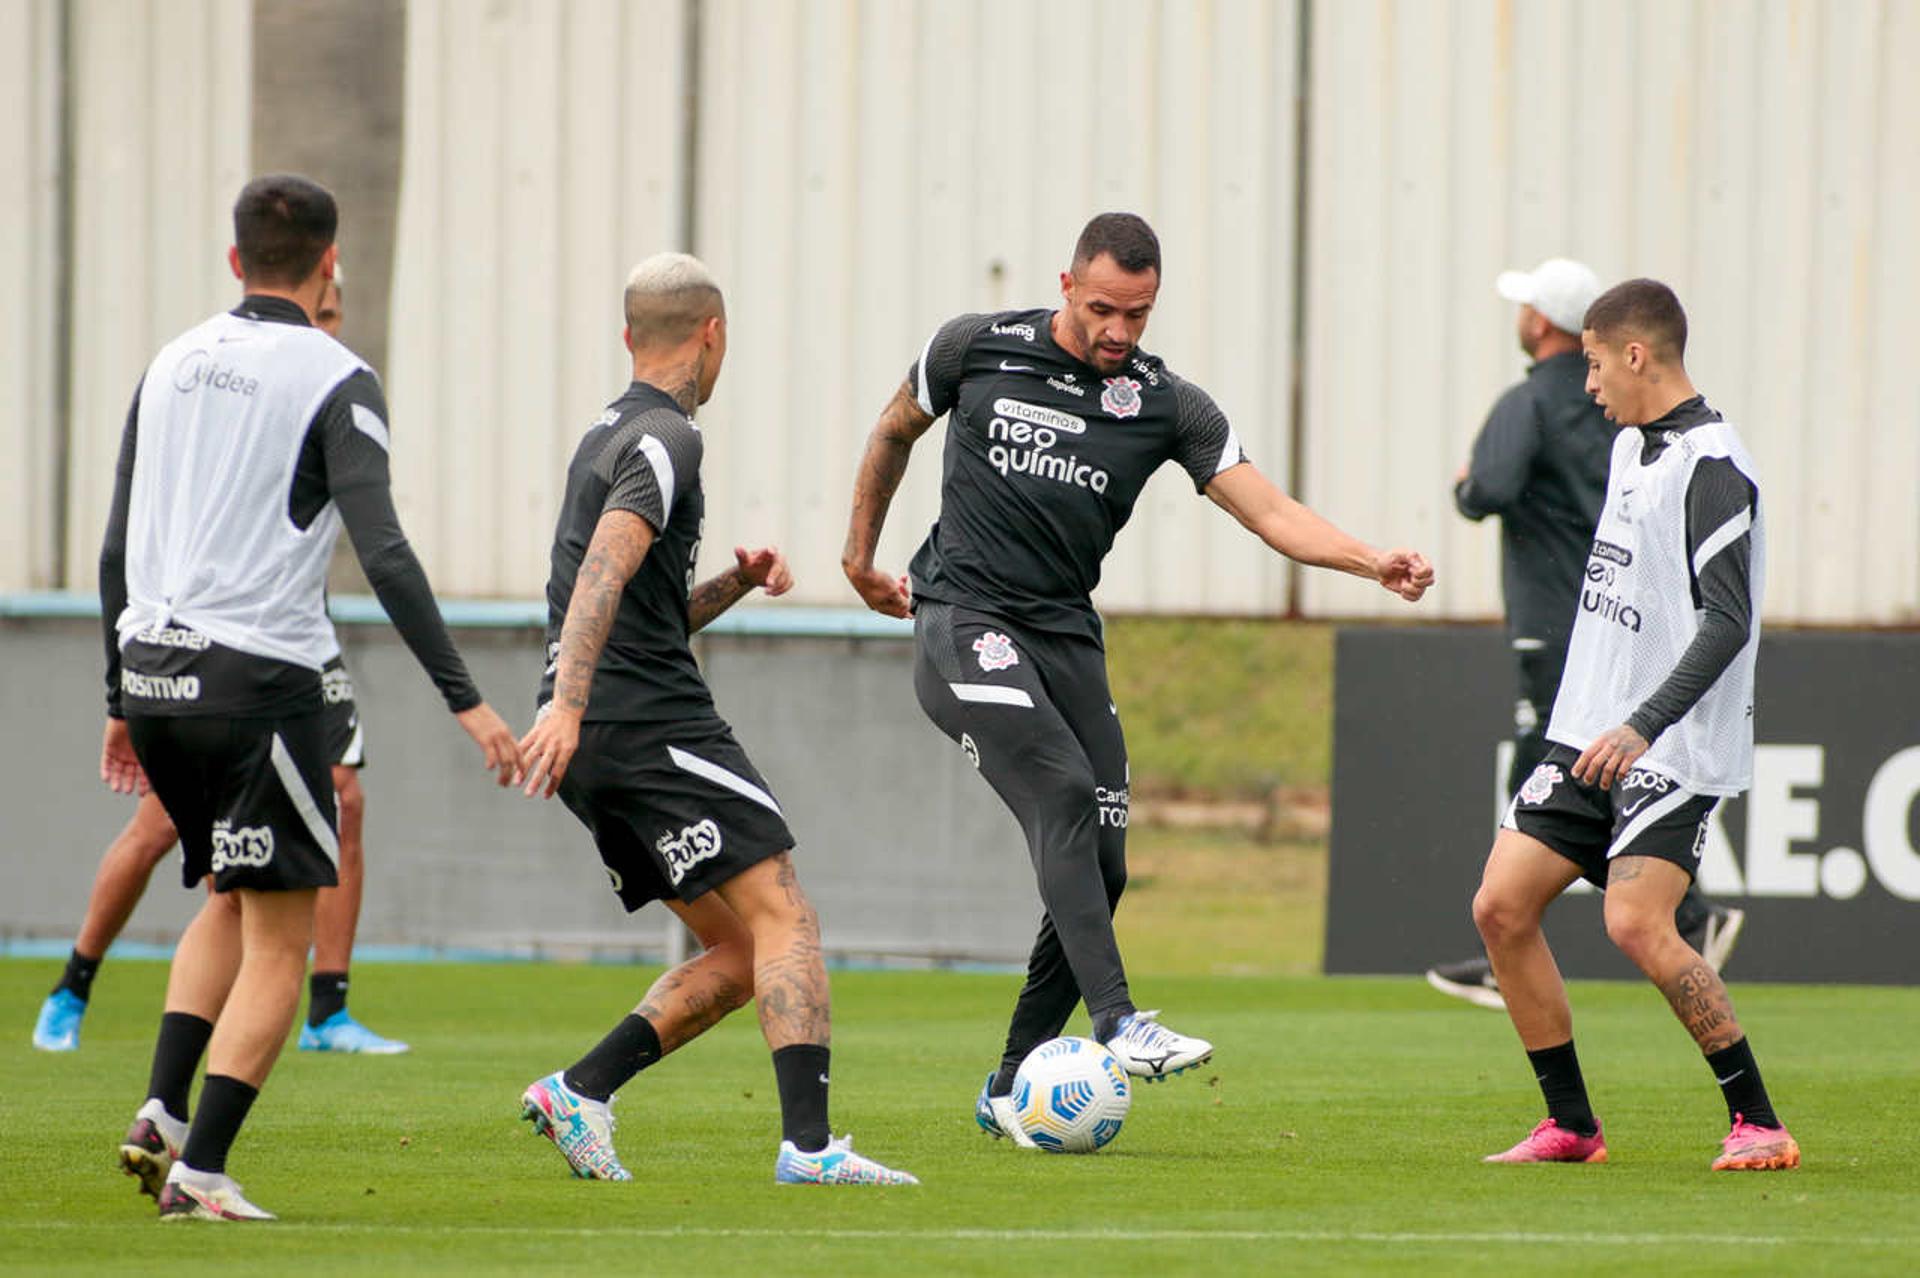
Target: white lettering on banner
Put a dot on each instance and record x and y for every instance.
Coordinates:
(1777, 819)
(1890, 851)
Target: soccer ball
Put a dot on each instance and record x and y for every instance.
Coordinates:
(1071, 1095)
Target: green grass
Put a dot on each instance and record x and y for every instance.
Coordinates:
(1222, 903)
(1220, 707)
(1337, 1131)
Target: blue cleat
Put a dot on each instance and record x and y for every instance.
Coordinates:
(837, 1164)
(341, 1033)
(580, 1127)
(997, 1117)
(58, 1029)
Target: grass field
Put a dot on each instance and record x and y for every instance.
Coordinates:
(1337, 1131)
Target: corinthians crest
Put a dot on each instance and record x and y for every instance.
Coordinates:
(996, 651)
(1121, 397)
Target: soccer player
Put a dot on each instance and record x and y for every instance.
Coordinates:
(1056, 418)
(1540, 464)
(252, 439)
(628, 735)
(130, 860)
(1653, 724)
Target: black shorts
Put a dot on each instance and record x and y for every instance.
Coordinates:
(1644, 814)
(251, 798)
(676, 809)
(346, 742)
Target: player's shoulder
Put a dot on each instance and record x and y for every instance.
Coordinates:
(630, 430)
(1191, 402)
(999, 331)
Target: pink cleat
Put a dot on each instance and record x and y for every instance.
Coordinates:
(1552, 1143)
(1751, 1148)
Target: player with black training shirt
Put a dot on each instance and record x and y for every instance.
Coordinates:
(1056, 419)
(629, 737)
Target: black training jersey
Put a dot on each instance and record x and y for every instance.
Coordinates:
(641, 455)
(1044, 460)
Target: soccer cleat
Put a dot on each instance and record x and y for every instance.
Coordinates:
(1721, 932)
(579, 1127)
(152, 1145)
(996, 1117)
(1470, 979)
(58, 1029)
(198, 1195)
(1147, 1049)
(341, 1033)
(1551, 1143)
(1751, 1148)
(837, 1164)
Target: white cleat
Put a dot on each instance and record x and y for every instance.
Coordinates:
(198, 1195)
(837, 1164)
(1147, 1049)
(997, 1117)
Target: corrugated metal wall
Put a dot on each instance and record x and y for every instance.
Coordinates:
(1759, 157)
(162, 91)
(29, 262)
(544, 156)
(866, 168)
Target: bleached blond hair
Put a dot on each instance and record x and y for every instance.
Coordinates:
(669, 295)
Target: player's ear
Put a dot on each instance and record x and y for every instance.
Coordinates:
(626, 339)
(1066, 285)
(233, 262)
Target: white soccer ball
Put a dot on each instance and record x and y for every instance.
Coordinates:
(1071, 1095)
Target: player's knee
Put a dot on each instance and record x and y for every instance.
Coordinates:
(1499, 916)
(1635, 929)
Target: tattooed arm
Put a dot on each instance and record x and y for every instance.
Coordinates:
(901, 424)
(620, 541)
(763, 567)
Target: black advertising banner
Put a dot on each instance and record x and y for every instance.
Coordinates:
(1823, 853)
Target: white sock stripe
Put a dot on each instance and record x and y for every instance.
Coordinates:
(721, 777)
(992, 694)
(1723, 536)
(1646, 817)
(303, 802)
(656, 454)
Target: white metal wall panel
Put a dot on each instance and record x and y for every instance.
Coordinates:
(29, 151)
(161, 97)
(871, 169)
(543, 153)
(1758, 157)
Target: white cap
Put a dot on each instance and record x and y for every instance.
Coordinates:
(1558, 288)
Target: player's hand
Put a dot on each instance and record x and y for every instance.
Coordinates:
(548, 748)
(1610, 757)
(765, 568)
(889, 595)
(119, 765)
(1405, 572)
(495, 739)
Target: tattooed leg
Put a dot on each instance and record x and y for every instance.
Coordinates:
(789, 972)
(697, 995)
(1642, 893)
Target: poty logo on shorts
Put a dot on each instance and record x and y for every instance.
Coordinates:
(336, 686)
(1541, 783)
(995, 651)
(683, 851)
(248, 845)
(1121, 397)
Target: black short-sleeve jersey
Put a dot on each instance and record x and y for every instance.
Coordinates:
(1045, 458)
(641, 455)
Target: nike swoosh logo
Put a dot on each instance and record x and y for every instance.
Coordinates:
(1627, 812)
(1015, 368)
(1729, 1078)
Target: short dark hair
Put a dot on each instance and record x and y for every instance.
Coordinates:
(282, 225)
(1642, 308)
(1125, 237)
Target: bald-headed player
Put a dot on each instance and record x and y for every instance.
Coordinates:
(628, 735)
(1651, 727)
(1056, 419)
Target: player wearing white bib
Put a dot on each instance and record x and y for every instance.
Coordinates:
(1652, 726)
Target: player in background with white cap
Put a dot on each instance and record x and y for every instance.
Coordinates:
(1540, 463)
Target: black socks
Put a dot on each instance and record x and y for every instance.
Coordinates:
(801, 1072)
(631, 1047)
(1739, 1078)
(176, 1058)
(78, 978)
(326, 994)
(224, 1103)
(1557, 1070)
